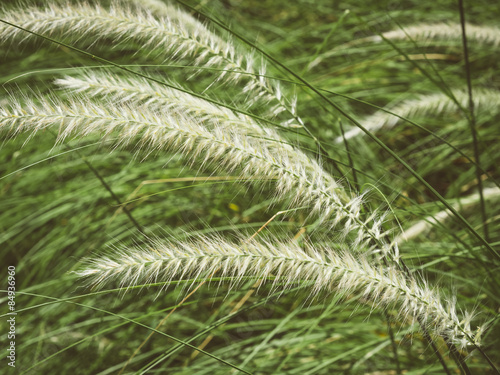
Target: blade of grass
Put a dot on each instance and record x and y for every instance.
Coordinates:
(472, 119)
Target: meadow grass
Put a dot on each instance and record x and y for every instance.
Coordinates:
(256, 187)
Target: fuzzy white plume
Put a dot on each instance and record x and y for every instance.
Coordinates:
(166, 36)
(162, 98)
(287, 264)
(445, 31)
(423, 226)
(485, 100)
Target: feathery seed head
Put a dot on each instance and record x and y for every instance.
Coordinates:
(445, 31)
(287, 264)
(168, 34)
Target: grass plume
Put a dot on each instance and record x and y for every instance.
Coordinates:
(288, 264)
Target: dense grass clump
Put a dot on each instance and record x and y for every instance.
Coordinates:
(257, 187)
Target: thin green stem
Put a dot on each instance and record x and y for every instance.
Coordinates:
(393, 343)
(349, 157)
(472, 119)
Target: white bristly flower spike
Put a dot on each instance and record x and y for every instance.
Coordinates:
(166, 36)
(287, 263)
(162, 99)
(485, 100)
(423, 226)
(159, 8)
(231, 149)
(428, 32)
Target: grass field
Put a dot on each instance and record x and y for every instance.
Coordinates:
(264, 187)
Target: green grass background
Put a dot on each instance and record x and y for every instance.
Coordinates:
(54, 211)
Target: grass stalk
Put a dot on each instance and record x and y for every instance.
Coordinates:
(472, 118)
